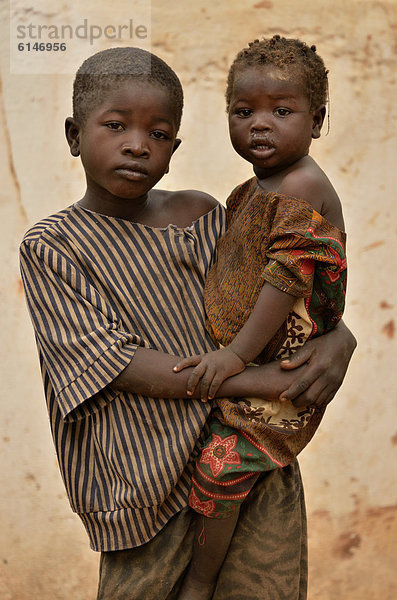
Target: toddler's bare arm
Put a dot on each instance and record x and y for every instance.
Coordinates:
(212, 369)
(312, 376)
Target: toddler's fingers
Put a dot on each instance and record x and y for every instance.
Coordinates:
(195, 377)
(190, 361)
(206, 382)
(216, 383)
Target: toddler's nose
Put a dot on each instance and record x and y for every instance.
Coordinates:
(261, 122)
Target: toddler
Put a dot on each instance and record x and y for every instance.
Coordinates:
(279, 280)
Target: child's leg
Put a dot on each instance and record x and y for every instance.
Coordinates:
(211, 543)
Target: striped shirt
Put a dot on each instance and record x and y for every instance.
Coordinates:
(97, 288)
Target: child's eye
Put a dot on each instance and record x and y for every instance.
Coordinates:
(115, 126)
(159, 135)
(282, 112)
(244, 112)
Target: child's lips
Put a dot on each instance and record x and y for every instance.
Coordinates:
(132, 171)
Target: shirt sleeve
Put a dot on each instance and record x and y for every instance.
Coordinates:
(80, 338)
(302, 245)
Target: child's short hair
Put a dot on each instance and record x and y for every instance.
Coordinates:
(282, 53)
(104, 70)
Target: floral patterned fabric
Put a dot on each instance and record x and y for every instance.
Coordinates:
(285, 242)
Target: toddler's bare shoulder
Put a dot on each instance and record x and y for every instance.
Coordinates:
(309, 182)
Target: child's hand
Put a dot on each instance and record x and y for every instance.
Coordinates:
(212, 369)
(325, 360)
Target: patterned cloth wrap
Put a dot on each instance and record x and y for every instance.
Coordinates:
(284, 241)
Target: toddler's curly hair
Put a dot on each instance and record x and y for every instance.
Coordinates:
(284, 53)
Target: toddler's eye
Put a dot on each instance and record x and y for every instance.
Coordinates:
(114, 126)
(282, 112)
(244, 112)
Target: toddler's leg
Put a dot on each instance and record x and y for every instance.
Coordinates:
(211, 543)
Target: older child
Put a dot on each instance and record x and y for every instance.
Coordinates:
(279, 280)
(114, 286)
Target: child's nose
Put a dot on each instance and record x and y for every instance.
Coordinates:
(135, 145)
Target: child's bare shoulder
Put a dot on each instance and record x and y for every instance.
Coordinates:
(186, 206)
(199, 201)
(309, 182)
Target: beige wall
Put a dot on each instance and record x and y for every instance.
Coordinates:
(349, 469)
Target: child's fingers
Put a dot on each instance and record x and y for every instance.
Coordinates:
(297, 389)
(323, 398)
(297, 359)
(190, 361)
(283, 397)
(315, 394)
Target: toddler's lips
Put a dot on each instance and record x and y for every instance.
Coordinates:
(262, 149)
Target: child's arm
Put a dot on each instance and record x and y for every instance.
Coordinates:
(315, 373)
(140, 377)
(326, 359)
(211, 369)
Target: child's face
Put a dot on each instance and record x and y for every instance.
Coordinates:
(126, 143)
(270, 121)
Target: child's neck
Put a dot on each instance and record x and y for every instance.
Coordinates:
(130, 210)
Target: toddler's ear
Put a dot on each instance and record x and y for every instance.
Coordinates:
(72, 132)
(318, 120)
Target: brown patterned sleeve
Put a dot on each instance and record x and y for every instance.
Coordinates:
(300, 242)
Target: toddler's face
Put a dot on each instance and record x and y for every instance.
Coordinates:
(270, 121)
(127, 142)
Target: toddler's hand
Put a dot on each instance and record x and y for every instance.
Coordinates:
(210, 370)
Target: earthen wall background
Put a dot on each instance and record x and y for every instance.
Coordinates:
(349, 468)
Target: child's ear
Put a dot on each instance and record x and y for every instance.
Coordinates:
(318, 120)
(177, 143)
(72, 132)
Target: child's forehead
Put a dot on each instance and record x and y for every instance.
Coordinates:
(133, 88)
(134, 92)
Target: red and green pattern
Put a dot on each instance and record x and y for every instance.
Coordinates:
(226, 470)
